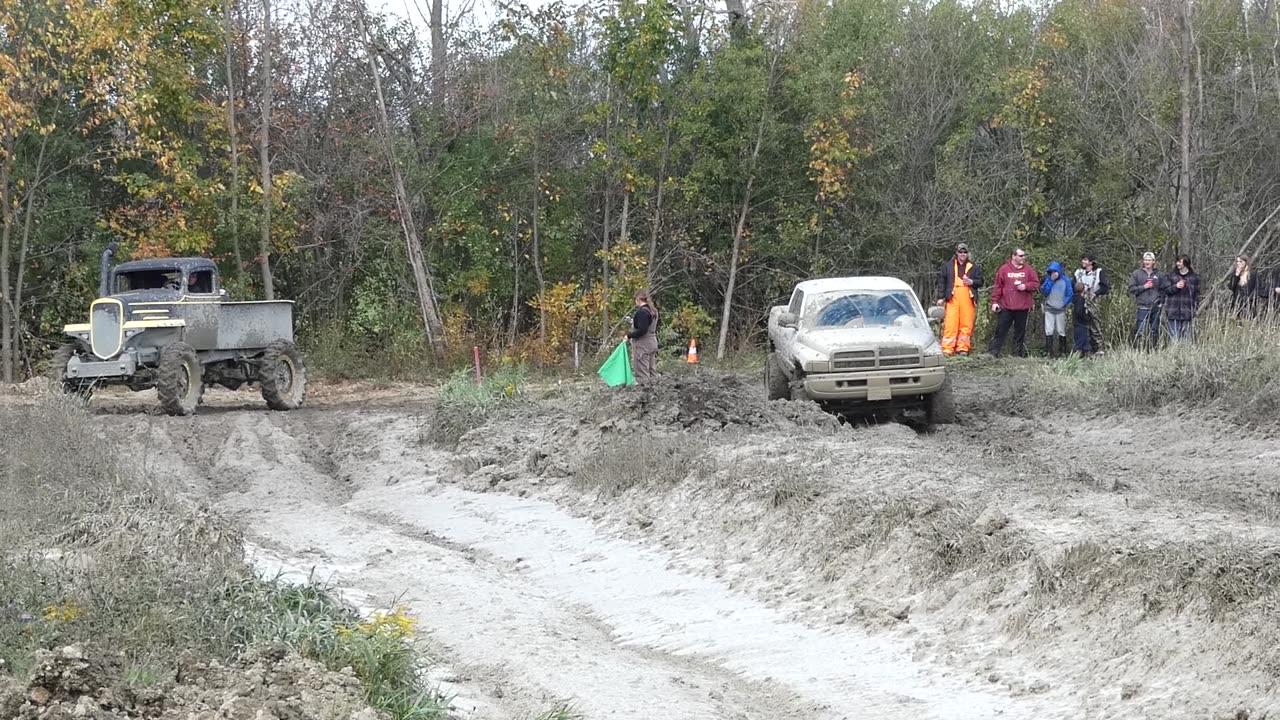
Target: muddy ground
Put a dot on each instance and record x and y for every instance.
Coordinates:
(702, 553)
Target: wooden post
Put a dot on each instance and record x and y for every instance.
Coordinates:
(475, 354)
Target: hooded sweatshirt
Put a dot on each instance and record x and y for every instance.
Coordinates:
(1057, 293)
(1005, 292)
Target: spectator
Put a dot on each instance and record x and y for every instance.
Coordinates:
(1058, 292)
(1096, 285)
(1144, 285)
(1012, 296)
(643, 337)
(1243, 284)
(959, 281)
(1182, 291)
(1079, 320)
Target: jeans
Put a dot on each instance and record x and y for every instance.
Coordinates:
(1148, 324)
(1179, 329)
(1004, 319)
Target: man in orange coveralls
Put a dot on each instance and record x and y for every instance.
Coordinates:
(959, 281)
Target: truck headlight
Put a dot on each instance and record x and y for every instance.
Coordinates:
(817, 366)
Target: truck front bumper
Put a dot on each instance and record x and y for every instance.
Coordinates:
(874, 385)
(125, 366)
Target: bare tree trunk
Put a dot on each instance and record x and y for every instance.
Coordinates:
(537, 253)
(6, 240)
(608, 221)
(1184, 171)
(264, 245)
(657, 207)
(439, 56)
(623, 235)
(513, 328)
(421, 274)
(232, 143)
(737, 18)
(23, 247)
(737, 239)
(1248, 48)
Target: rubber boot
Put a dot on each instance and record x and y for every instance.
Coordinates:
(1048, 347)
(1063, 350)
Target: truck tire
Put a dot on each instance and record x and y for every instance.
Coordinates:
(179, 382)
(283, 376)
(57, 370)
(942, 405)
(775, 382)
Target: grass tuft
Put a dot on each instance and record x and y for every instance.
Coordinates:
(1228, 365)
(465, 405)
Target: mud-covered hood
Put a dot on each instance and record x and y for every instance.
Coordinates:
(838, 339)
(141, 296)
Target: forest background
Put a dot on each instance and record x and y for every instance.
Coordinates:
(506, 179)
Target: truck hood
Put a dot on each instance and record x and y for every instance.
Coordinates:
(836, 340)
(141, 296)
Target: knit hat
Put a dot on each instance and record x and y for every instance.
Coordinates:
(1148, 256)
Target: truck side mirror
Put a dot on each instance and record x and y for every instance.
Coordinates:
(936, 314)
(787, 320)
(222, 293)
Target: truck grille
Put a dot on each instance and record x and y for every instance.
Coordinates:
(106, 334)
(888, 357)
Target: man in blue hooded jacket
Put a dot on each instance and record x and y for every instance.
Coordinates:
(1058, 291)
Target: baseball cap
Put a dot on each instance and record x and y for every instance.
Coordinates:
(962, 247)
(1148, 256)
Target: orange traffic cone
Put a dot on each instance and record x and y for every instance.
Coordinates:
(692, 357)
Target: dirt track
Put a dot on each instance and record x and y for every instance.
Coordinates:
(1016, 565)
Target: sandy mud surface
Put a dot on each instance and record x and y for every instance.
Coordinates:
(702, 553)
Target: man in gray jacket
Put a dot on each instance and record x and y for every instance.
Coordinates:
(1144, 285)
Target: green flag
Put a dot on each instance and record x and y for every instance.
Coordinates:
(617, 369)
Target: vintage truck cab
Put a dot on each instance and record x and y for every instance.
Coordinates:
(168, 324)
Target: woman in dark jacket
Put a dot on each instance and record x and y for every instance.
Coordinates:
(1243, 284)
(1182, 291)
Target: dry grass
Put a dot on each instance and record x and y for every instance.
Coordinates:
(652, 461)
(1228, 365)
(96, 556)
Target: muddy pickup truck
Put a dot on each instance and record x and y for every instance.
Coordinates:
(858, 345)
(168, 324)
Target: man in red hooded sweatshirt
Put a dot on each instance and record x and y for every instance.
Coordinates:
(1012, 296)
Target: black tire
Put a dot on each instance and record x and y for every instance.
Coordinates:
(775, 382)
(179, 381)
(283, 376)
(57, 372)
(942, 404)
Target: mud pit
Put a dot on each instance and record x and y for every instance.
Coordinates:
(769, 562)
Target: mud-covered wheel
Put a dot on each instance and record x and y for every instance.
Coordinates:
(942, 404)
(179, 381)
(57, 372)
(283, 376)
(774, 381)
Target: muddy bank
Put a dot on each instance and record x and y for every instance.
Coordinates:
(269, 684)
(1120, 565)
(697, 543)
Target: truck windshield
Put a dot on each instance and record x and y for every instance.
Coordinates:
(148, 280)
(861, 308)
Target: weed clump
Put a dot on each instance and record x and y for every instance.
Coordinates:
(465, 405)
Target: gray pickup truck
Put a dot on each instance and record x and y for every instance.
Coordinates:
(168, 324)
(858, 345)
